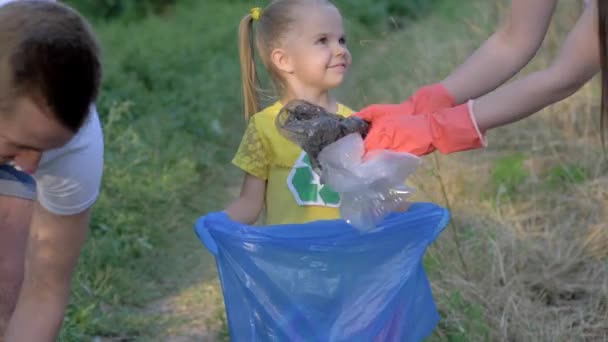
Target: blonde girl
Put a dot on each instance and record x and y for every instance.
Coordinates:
(302, 46)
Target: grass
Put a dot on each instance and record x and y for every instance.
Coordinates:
(524, 259)
(171, 122)
(172, 119)
(525, 256)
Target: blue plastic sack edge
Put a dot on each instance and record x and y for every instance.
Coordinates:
(202, 232)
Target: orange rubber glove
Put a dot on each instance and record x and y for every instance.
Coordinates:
(432, 98)
(427, 99)
(447, 130)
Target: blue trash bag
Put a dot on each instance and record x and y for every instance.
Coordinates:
(325, 280)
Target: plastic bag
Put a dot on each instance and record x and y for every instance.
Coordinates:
(324, 281)
(370, 186)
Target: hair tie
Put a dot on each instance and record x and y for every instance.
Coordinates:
(256, 12)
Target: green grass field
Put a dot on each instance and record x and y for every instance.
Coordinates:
(524, 257)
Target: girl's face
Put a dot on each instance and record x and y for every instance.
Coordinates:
(317, 48)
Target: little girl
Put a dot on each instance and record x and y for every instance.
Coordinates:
(302, 45)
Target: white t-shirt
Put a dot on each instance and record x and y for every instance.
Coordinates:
(68, 178)
(2, 2)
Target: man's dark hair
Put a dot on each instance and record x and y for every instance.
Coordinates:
(48, 52)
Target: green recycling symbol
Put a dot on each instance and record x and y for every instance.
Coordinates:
(306, 187)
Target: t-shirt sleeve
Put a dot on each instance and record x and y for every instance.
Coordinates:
(253, 155)
(69, 178)
(4, 2)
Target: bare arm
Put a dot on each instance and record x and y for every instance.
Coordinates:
(247, 208)
(577, 62)
(52, 252)
(505, 53)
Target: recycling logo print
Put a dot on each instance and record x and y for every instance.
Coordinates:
(306, 187)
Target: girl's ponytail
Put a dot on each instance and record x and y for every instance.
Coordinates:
(250, 82)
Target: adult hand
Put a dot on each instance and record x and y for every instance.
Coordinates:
(427, 99)
(393, 127)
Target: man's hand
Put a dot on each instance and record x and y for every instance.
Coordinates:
(54, 245)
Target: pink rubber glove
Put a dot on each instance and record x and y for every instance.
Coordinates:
(447, 130)
(427, 99)
(431, 98)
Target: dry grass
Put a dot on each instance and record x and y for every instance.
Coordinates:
(526, 256)
(525, 259)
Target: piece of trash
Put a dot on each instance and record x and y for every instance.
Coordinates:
(313, 128)
(370, 185)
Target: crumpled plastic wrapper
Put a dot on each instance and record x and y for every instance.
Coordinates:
(313, 128)
(371, 185)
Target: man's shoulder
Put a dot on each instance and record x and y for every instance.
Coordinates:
(89, 139)
(69, 178)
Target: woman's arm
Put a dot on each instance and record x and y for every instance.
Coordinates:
(577, 62)
(460, 128)
(505, 53)
(247, 208)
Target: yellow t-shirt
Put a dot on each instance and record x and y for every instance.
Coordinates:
(293, 191)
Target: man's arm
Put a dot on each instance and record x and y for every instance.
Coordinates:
(505, 53)
(53, 248)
